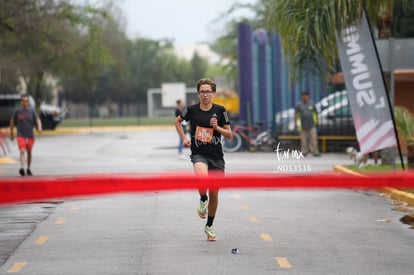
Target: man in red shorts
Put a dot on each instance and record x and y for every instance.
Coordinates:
(25, 119)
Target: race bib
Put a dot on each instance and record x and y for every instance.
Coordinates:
(204, 134)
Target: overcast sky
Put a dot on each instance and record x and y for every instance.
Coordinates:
(184, 21)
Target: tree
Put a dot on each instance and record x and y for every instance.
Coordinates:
(86, 50)
(405, 125)
(8, 80)
(308, 29)
(226, 44)
(37, 38)
(403, 19)
(198, 68)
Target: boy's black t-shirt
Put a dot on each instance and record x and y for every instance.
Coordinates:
(204, 139)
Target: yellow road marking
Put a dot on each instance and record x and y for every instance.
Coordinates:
(283, 262)
(237, 196)
(7, 160)
(254, 220)
(245, 207)
(16, 267)
(41, 240)
(60, 221)
(266, 237)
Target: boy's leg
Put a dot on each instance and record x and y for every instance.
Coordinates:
(213, 202)
(212, 208)
(201, 169)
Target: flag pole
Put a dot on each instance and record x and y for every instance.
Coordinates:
(391, 106)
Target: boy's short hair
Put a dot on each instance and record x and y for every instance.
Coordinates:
(207, 81)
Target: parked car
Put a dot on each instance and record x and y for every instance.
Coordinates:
(331, 99)
(335, 117)
(50, 115)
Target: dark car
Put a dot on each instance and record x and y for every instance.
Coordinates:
(335, 121)
(50, 115)
(335, 117)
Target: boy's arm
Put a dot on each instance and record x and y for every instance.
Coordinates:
(225, 130)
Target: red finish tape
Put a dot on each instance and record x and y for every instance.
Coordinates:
(26, 189)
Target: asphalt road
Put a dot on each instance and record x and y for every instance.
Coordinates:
(275, 231)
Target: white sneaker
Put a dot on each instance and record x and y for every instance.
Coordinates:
(211, 235)
(202, 209)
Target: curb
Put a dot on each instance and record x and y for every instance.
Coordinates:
(395, 194)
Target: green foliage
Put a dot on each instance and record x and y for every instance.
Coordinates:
(198, 68)
(403, 19)
(308, 29)
(85, 48)
(40, 37)
(405, 123)
(373, 168)
(226, 44)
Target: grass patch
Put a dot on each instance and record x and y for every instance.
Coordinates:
(122, 121)
(371, 169)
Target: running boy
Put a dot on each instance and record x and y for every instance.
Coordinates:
(208, 122)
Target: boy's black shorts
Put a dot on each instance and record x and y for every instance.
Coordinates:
(213, 164)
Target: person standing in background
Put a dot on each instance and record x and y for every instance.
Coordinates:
(178, 110)
(306, 121)
(25, 119)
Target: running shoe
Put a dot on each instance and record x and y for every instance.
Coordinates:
(211, 235)
(202, 209)
(21, 172)
(29, 172)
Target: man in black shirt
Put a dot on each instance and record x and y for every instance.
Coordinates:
(208, 122)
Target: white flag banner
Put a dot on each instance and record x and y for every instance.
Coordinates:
(367, 96)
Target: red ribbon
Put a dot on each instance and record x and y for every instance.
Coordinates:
(26, 189)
